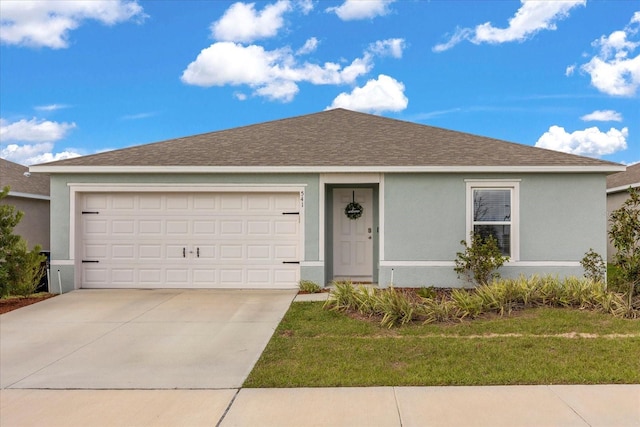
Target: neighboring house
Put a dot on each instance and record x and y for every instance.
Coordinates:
(265, 205)
(30, 194)
(618, 186)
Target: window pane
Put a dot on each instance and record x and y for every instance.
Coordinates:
(502, 234)
(491, 205)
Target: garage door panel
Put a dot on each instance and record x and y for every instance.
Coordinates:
(177, 202)
(150, 227)
(175, 252)
(258, 228)
(190, 240)
(177, 276)
(178, 227)
(231, 252)
(150, 276)
(260, 202)
(94, 227)
(204, 227)
(231, 227)
(285, 275)
(286, 252)
(258, 252)
(123, 202)
(150, 202)
(123, 252)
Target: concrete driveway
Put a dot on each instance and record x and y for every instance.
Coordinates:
(139, 339)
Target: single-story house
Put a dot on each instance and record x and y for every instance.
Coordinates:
(618, 186)
(331, 195)
(30, 194)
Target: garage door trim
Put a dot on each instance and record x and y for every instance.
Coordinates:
(76, 190)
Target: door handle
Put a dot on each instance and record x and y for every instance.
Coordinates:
(198, 252)
(184, 252)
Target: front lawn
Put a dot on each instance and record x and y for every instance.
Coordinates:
(315, 347)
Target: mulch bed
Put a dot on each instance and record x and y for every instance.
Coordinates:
(10, 304)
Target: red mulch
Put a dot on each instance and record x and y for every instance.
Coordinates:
(10, 304)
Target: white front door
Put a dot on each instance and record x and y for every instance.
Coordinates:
(353, 238)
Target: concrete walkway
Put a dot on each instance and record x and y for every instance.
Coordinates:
(512, 406)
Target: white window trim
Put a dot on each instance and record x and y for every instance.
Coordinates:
(514, 186)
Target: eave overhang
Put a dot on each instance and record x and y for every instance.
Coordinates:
(606, 169)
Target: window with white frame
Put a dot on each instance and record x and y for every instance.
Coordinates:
(492, 210)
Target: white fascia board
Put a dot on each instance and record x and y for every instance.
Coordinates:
(94, 187)
(623, 188)
(324, 169)
(28, 195)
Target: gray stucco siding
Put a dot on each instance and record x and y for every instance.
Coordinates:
(562, 216)
(424, 216)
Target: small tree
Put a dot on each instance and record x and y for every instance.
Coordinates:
(625, 237)
(25, 269)
(594, 266)
(480, 261)
(20, 269)
(9, 218)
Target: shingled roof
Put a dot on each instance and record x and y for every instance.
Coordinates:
(13, 175)
(329, 140)
(626, 179)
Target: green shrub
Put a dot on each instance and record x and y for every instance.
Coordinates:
(480, 261)
(395, 307)
(309, 286)
(25, 269)
(439, 310)
(341, 297)
(398, 307)
(469, 304)
(624, 234)
(9, 218)
(594, 266)
(427, 292)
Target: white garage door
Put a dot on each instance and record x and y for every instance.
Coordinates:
(196, 240)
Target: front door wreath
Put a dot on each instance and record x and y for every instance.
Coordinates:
(354, 209)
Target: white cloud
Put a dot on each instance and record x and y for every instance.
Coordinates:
(30, 154)
(33, 130)
(48, 23)
(51, 107)
(39, 136)
(570, 70)
(613, 71)
(602, 116)
(240, 96)
(139, 116)
(273, 74)
(309, 46)
(376, 96)
(531, 18)
(390, 47)
(242, 23)
(589, 142)
(352, 10)
(306, 6)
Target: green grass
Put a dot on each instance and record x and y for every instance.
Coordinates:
(314, 347)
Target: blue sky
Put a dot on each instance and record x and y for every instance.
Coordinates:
(81, 77)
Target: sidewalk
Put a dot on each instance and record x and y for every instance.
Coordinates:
(579, 405)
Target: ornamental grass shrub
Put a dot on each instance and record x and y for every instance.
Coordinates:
(309, 286)
(502, 297)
